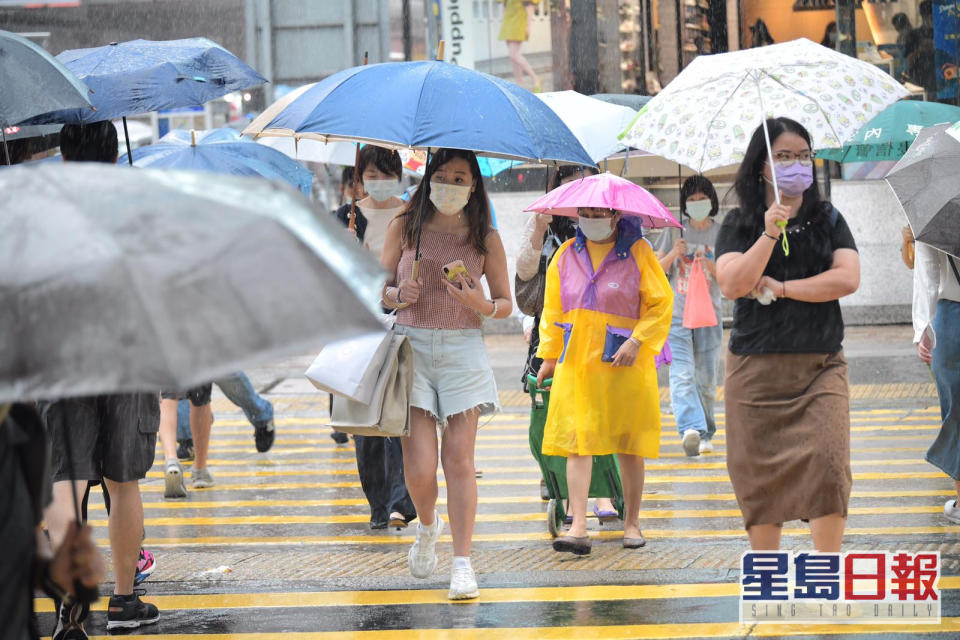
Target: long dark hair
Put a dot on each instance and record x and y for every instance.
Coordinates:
(751, 190)
(563, 227)
(477, 209)
(567, 170)
(749, 184)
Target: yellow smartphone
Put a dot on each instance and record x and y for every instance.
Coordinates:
(454, 269)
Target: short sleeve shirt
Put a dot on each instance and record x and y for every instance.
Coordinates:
(787, 325)
(699, 242)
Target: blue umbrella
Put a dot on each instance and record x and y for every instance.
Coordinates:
(424, 105)
(222, 151)
(140, 76)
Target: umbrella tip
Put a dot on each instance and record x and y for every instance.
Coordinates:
(193, 137)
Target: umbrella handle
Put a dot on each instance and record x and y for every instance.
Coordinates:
(784, 243)
(415, 273)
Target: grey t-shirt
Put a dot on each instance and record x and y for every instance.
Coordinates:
(703, 242)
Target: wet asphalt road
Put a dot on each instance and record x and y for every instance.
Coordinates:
(280, 547)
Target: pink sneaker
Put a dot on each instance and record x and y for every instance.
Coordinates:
(145, 566)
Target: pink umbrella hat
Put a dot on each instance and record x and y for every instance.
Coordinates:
(605, 191)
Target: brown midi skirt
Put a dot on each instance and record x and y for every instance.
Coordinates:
(788, 435)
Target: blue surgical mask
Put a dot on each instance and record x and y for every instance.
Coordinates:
(699, 209)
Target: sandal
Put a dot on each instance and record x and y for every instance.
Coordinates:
(605, 516)
(579, 546)
(633, 543)
(397, 521)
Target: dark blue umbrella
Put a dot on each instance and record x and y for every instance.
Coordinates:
(222, 151)
(424, 105)
(140, 76)
(33, 82)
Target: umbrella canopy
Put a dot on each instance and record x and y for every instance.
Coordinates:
(116, 280)
(222, 151)
(605, 191)
(888, 135)
(596, 123)
(703, 119)
(34, 82)
(30, 131)
(140, 76)
(426, 105)
(925, 181)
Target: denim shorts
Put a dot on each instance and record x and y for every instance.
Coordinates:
(452, 373)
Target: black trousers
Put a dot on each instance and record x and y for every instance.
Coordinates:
(380, 466)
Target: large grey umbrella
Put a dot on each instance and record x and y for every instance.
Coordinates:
(34, 82)
(116, 280)
(927, 182)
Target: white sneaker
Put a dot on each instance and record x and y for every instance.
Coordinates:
(201, 479)
(463, 584)
(691, 443)
(951, 511)
(173, 481)
(422, 558)
(706, 446)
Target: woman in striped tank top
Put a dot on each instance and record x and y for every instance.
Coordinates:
(453, 381)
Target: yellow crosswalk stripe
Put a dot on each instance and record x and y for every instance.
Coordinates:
(534, 473)
(651, 534)
(300, 599)
(645, 514)
(648, 497)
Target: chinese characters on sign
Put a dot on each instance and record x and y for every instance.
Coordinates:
(852, 587)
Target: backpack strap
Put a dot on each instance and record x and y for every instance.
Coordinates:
(834, 214)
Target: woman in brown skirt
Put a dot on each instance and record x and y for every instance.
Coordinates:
(786, 393)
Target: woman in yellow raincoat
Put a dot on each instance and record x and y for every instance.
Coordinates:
(606, 316)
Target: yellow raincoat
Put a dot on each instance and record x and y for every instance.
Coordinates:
(596, 296)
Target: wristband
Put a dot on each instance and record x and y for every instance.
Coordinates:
(493, 313)
(774, 238)
(636, 342)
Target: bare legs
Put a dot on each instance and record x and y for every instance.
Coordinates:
(126, 525)
(827, 532)
(631, 468)
(579, 469)
(201, 419)
(420, 459)
(168, 428)
(520, 64)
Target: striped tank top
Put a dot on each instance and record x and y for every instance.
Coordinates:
(436, 308)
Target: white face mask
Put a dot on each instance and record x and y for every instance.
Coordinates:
(381, 190)
(699, 209)
(449, 199)
(596, 229)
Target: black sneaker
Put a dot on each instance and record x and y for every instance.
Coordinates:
(70, 623)
(130, 612)
(185, 449)
(263, 436)
(340, 437)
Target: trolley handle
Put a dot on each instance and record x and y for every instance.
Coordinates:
(532, 387)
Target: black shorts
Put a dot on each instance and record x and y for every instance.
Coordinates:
(198, 396)
(111, 436)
